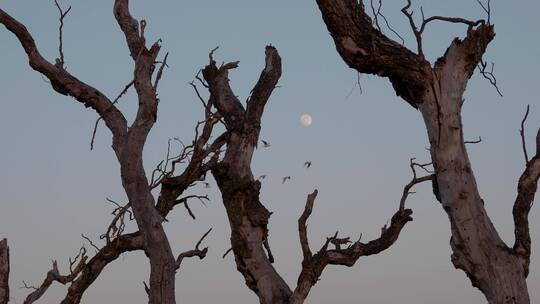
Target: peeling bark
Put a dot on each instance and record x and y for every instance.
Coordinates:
(497, 270)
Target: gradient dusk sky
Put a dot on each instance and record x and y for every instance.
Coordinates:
(53, 188)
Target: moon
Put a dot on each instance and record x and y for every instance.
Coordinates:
(306, 120)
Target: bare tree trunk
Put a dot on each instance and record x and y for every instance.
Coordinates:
(248, 218)
(4, 272)
(156, 243)
(437, 91)
(477, 248)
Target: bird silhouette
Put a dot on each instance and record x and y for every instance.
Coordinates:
(261, 177)
(307, 164)
(285, 179)
(265, 144)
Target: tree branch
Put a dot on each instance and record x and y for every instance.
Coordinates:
(522, 134)
(314, 264)
(54, 276)
(526, 191)
(367, 50)
(265, 86)
(66, 84)
(197, 252)
(130, 27)
(60, 61)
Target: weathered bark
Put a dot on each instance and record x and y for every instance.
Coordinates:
(4, 272)
(248, 218)
(497, 270)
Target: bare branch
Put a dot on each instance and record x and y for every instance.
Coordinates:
(378, 13)
(265, 86)
(489, 75)
(526, 191)
(522, 134)
(66, 84)
(302, 227)
(90, 242)
(160, 71)
(313, 265)
(201, 253)
(60, 61)
(130, 27)
(419, 31)
(115, 101)
(227, 252)
(487, 9)
(367, 50)
(54, 276)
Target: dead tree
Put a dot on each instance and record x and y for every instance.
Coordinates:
(127, 142)
(248, 217)
(497, 269)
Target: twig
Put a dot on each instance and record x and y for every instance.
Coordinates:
(376, 14)
(474, 141)
(113, 103)
(486, 9)
(160, 71)
(90, 242)
(419, 31)
(201, 253)
(227, 252)
(522, 133)
(63, 14)
(489, 75)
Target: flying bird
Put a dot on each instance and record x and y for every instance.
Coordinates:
(307, 164)
(265, 143)
(261, 177)
(285, 179)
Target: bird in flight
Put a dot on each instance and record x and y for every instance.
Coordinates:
(285, 179)
(265, 144)
(307, 164)
(261, 177)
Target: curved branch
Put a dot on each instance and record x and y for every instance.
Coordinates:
(367, 50)
(314, 265)
(197, 252)
(526, 191)
(66, 84)
(130, 27)
(54, 276)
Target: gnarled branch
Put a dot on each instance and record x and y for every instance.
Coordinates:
(66, 84)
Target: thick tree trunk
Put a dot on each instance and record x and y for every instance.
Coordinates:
(4, 272)
(149, 221)
(477, 248)
(248, 219)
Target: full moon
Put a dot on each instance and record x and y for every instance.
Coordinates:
(306, 120)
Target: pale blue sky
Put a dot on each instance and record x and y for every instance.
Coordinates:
(54, 188)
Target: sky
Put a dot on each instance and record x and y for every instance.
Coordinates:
(53, 188)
